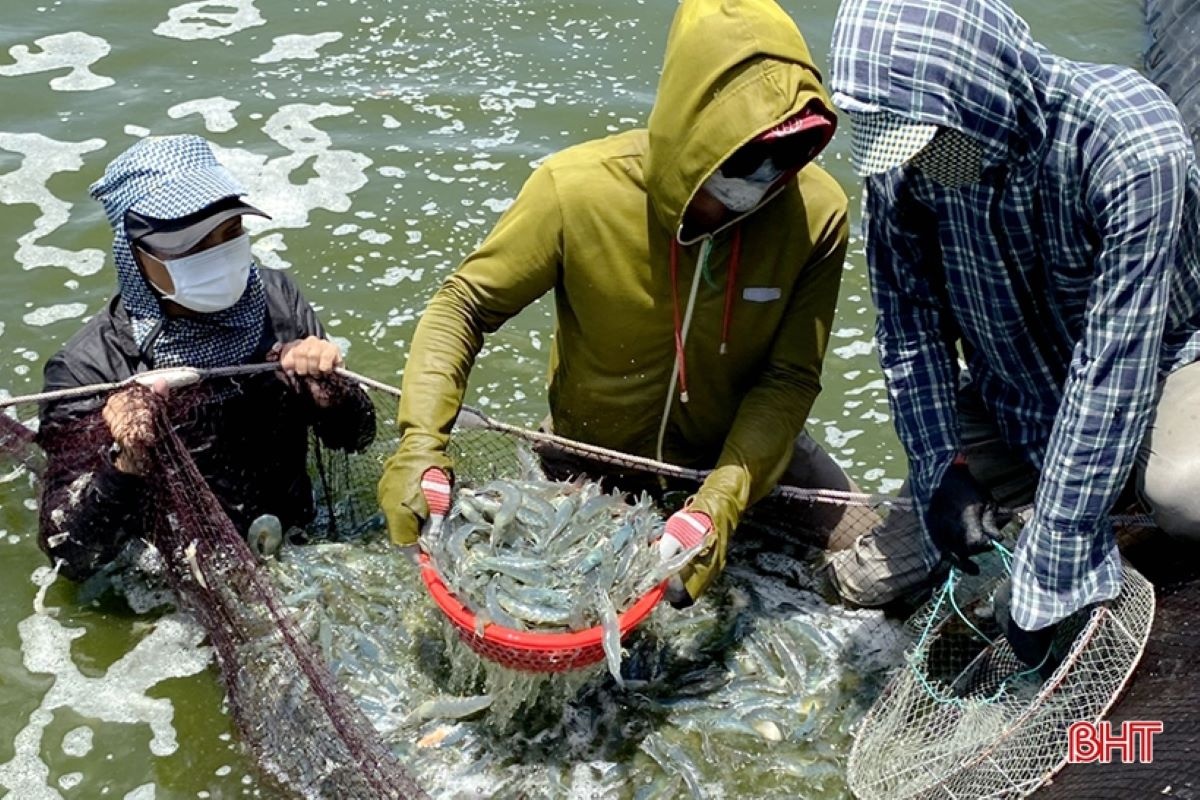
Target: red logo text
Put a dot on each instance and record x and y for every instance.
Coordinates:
(1095, 742)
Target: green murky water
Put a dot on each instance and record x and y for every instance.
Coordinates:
(385, 138)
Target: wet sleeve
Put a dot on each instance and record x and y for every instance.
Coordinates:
(1066, 557)
(758, 446)
(303, 316)
(517, 263)
(914, 331)
(348, 422)
(88, 508)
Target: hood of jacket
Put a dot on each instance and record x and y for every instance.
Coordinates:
(988, 79)
(733, 69)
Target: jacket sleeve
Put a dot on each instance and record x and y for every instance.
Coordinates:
(1066, 557)
(348, 422)
(88, 508)
(758, 447)
(516, 264)
(915, 332)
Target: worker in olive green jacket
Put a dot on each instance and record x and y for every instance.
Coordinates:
(695, 266)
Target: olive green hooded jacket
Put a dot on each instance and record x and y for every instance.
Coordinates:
(595, 224)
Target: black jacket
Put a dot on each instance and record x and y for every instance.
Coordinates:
(248, 436)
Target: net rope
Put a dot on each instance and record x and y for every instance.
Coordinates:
(471, 418)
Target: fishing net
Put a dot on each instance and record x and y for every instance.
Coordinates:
(1170, 60)
(1164, 688)
(306, 733)
(308, 737)
(966, 718)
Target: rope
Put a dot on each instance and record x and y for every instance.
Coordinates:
(920, 649)
(616, 457)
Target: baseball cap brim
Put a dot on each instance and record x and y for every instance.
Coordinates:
(880, 139)
(176, 236)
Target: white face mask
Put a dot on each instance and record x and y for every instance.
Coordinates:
(744, 193)
(213, 279)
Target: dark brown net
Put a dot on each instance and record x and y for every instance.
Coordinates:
(217, 455)
(307, 734)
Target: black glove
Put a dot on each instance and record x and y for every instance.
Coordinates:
(963, 519)
(1031, 647)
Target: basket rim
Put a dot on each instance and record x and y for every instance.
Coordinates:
(531, 641)
(1132, 581)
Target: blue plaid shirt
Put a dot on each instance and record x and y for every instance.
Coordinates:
(1070, 274)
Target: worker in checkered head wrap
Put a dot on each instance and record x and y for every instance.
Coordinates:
(1033, 239)
(189, 295)
(695, 266)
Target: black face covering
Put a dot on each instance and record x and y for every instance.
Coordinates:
(952, 159)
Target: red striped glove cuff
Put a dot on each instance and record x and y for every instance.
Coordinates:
(435, 485)
(688, 528)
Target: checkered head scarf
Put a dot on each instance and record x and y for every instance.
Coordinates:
(882, 140)
(167, 178)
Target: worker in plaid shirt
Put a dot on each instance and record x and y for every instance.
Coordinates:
(1034, 254)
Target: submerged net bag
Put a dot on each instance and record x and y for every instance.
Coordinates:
(966, 718)
(306, 733)
(486, 450)
(309, 736)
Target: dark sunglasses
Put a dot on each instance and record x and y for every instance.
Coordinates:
(787, 153)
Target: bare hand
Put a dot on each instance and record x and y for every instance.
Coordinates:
(310, 357)
(131, 423)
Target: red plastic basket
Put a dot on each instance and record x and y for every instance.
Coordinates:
(530, 651)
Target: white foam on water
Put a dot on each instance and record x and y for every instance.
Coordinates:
(77, 742)
(375, 237)
(342, 342)
(339, 173)
(40, 317)
(43, 158)
(70, 780)
(497, 205)
(203, 20)
(76, 51)
(217, 112)
(395, 275)
(267, 249)
(137, 130)
(143, 792)
(297, 46)
(505, 99)
(859, 348)
(172, 649)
